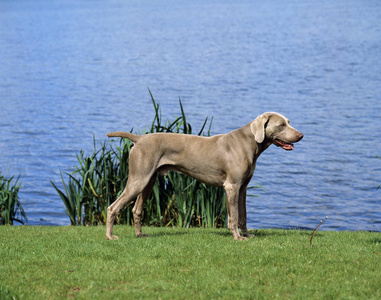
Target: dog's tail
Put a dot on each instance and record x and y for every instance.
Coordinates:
(127, 135)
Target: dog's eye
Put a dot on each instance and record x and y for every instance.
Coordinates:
(282, 125)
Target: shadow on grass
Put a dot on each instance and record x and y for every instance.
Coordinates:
(222, 232)
(375, 241)
(227, 233)
(168, 233)
(203, 231)
(280, 231)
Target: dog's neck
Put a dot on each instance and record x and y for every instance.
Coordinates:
(255, 149)
(263, 146)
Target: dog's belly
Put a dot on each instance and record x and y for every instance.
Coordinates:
(212, 178)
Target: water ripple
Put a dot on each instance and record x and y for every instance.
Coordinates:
(81, 70)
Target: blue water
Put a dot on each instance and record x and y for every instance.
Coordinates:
(71, 69)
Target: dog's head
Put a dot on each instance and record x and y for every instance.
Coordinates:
(275, 128)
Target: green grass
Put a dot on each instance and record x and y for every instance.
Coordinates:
(177, 263)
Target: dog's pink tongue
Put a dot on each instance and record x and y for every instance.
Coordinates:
(288, 147)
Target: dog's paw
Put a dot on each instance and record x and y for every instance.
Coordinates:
(142, 235)
(248, 235)
(240, 238)
(112, 237)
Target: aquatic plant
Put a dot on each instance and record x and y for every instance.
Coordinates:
(10, 207)
(176, 199)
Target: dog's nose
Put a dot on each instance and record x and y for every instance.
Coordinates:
(299, 136)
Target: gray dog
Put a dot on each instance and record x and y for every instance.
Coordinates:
(226, 160)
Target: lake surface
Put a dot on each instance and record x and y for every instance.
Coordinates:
(71, 69)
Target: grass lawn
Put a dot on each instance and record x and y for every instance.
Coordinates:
(77, 262)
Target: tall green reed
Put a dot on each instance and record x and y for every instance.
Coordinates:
(11, 209)
(96, 183)
(176, 199)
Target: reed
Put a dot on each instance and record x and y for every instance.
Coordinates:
(96, 183)
(176, 200)
(11, 209)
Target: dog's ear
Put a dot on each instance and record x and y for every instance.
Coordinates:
(258, 127)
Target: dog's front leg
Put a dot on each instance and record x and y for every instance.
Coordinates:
(242, 215)
(232, 195)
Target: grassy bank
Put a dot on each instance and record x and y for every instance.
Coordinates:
(176, 263)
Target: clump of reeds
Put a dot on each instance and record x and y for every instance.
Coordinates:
(176, 199)
(10, 207)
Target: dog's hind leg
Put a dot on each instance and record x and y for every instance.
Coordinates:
(139, 204)
(132, 190)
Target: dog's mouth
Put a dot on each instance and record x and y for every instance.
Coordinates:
(284, 145)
